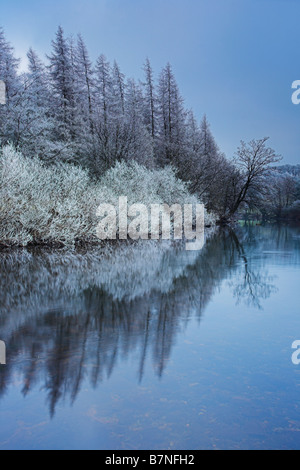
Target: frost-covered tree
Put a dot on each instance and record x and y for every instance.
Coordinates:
(42, 203)
(254, 161)
(9, 123)
(279, 192)
(202, 163)
(150, 100)
(85, 74)
(103, 124)
(140, 143)
(8, 68)
(36, 127)
(79, 129)
(71, 110)
(118, 85)
(171, 119)
(62, 83)
(208, 162)
(112, 138)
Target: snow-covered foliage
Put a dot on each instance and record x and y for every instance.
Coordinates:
(40, 203)
(147, 186)
(72, 110)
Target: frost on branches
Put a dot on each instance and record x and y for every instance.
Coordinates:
(58, 203)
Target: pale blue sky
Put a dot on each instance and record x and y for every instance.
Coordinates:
(234, 60)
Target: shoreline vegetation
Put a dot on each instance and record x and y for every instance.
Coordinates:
(75, 134)
(56, 206)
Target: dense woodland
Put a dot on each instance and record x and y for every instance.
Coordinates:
(69, 112)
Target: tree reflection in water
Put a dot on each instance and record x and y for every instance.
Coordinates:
(66, 316)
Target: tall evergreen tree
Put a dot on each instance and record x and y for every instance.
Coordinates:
(150, 106)
(37, 126)
(140, 142)
(62, 83)
(171, 118)
(9, 123)
(85, 81)
(103, 124)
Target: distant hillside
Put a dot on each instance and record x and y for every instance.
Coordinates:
(290, 169)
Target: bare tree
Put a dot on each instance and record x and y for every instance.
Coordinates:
(253, 161)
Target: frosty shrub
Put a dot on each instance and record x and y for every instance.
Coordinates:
(44, 204)
(144, 186)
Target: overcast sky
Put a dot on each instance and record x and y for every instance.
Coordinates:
(234, 60)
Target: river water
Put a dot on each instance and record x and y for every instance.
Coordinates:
(149, 346)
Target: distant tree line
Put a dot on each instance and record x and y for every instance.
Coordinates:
(279, 198)
(74, 111)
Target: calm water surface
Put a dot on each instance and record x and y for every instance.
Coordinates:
(153, 347)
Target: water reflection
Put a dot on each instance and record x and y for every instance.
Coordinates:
(69, 316)
(252, 285)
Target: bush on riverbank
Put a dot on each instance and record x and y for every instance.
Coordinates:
(58, 204)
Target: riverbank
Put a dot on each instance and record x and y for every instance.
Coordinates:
(57, 205)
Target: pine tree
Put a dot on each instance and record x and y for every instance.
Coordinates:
(118, 84)
(140, 142)
(150, 106)
(84, 106)
(102, 123)
(9, 125)
(37, 127)
(171, 118)
(8, 68)
(73, 111)
(62, 83)
(85, 81)
(207, 161)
